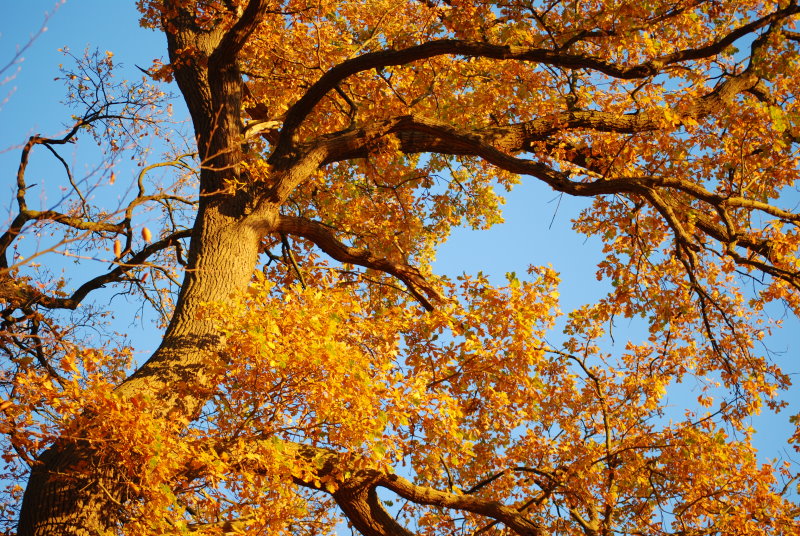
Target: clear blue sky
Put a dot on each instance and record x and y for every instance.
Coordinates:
(31, 104)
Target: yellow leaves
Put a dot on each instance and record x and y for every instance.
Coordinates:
(474, 388)
(779, 122)
(311, 343)
(256, 169)
(672, 117)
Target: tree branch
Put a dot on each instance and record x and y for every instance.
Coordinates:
(356, 493)
(326, 240)
(474, 49)
(18, 293)
(235, 38)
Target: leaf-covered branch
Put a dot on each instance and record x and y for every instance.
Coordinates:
(471, 49)
(326, 240)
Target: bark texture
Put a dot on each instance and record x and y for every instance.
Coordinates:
(72, 490)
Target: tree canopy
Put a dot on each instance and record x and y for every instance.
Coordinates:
(313, 368)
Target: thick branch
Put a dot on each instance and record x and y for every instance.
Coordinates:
(418, 134)
(356, 493)
(234, 39)
(330, 465)
(474, 49)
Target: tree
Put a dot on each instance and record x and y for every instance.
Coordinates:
(312, 358)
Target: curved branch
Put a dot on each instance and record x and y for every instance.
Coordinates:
(23, 217)
(326, 240)
(358, 499)
(356, 493)
(418, 134)
(363, 483)
(475, 49)
(19, 294)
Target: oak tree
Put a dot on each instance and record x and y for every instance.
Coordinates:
(312, 366)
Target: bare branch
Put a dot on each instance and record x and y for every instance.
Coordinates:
(18, 293)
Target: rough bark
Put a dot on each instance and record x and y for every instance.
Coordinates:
(71, 490)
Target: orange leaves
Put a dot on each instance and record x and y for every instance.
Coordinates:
(685, 145)
(321, 366)
(310, 368)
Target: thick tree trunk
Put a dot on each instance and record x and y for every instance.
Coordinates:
(54, 505)
(62, 497)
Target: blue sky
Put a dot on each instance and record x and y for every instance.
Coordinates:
(31, 104)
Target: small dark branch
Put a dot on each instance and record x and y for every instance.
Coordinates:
(22, 188)
(450, 484)
(26, 215)
(175, 162)
(144, 199)
(286, 248)
(346, 98)
(37, 343)
(763, 248)
(484, 482)
(69, 175)
(28, 295)
(120, 271)
(7, 238)
(22, 218)
(272, 257)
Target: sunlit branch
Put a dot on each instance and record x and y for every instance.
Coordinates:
(19, 293)
(326, 240)
(235, 38)
(356, 493)
(473, 49)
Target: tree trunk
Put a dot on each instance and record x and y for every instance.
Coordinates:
(62, 496)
